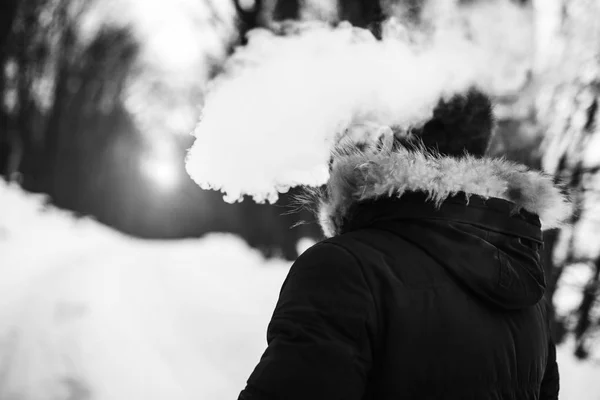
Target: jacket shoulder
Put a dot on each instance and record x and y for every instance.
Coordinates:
(372, 242)
(329, 251)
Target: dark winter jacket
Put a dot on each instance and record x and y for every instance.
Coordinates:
(429, 287)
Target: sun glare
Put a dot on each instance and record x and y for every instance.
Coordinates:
(162, 172)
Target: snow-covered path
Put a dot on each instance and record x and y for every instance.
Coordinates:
(86, 313)
(138, 320)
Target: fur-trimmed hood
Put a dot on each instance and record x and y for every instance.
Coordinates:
(358, 175)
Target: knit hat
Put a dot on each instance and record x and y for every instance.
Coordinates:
(462, 124)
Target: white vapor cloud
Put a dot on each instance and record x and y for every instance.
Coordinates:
(270, 120)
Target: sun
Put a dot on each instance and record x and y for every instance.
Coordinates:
(162, 172)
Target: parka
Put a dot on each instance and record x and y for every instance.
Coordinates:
(428, 286)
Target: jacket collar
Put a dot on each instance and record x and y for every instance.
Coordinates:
(359, 176)
(492, 214)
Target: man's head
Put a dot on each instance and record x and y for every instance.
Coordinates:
(462, 124)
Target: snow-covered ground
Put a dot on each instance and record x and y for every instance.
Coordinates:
(87, 313)
(139, 320)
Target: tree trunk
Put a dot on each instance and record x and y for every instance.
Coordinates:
(10, 148)
(286, 9)
(362, 13)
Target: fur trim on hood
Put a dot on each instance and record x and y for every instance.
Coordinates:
(358, 175)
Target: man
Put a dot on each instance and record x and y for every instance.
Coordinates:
(430, 284)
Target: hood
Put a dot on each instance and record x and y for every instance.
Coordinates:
(483, 244)
(480, 218)
(357, 176)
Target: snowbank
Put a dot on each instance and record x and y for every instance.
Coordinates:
(140, 320)
(88, 313)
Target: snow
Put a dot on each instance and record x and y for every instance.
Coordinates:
(141, 321)
(84, 309)
(569, 291)
(89, 313)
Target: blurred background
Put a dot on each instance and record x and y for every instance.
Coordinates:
(99, 98)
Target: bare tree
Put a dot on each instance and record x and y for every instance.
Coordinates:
(566, 105)
(364, 13)
(41, 31)
(8, 137)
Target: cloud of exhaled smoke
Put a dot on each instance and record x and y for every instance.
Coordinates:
(270, 120)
